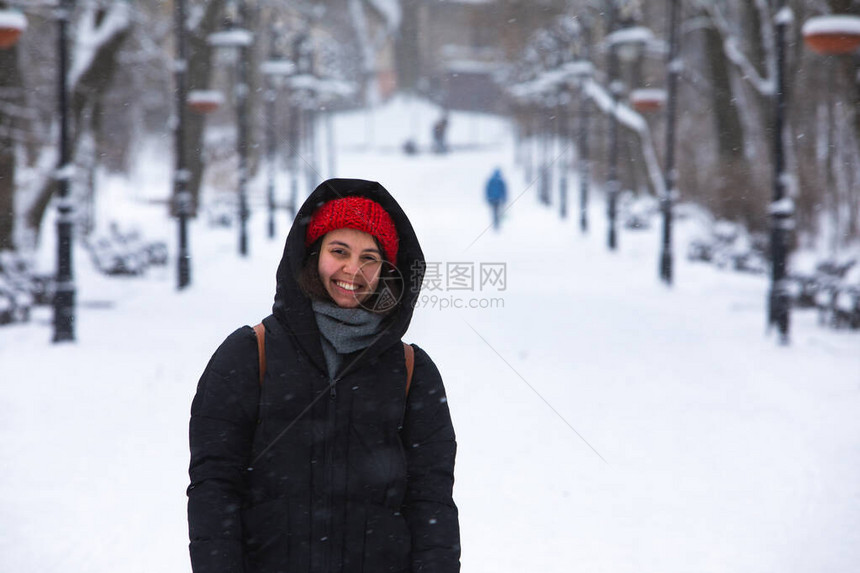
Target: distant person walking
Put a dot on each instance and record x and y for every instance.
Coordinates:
(497, 195)
(440, 134)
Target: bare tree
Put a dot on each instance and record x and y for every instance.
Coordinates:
(11, 111)
(205, 19)
(100, 30)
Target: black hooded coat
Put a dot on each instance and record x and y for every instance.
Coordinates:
(305, 473)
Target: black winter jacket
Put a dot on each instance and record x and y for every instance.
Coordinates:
(308, 474)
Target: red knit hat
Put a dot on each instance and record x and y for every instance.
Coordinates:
(358, 213)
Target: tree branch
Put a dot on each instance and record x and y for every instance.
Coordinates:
(635, 122)
(764, 86)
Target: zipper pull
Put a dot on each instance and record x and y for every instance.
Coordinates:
(332, 388)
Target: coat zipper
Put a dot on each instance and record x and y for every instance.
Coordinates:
(329, 470)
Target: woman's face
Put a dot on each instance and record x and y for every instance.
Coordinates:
(349, 266)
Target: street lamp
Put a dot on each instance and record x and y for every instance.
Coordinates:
(782, 208)
(236, 37)
(275, 69)
(833, 35)
(563, 103)
(520, 94)
(331, 91)
(578, 72)
(294, 129)
(547, 96)
(181, 174)
(624, 43)
(204, 102)
(613, 186)
(293, 135)
(64, 297)
(670, 174)
(557, 85)
(303, 93)
(648, 100)
(12, 25)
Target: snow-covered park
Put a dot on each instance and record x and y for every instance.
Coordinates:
(605, 422)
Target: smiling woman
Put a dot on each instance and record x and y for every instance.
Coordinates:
(335, 460)
(349, 266)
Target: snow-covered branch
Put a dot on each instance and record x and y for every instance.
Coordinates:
(195, 17)
(765, 86)
(634, 121)
(37, 176)
(359, 20)
(390, 11)
(92, 35)
(768, 40)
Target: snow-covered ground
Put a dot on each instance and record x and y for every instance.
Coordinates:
(605, 422)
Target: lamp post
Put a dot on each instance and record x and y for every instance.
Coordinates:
(309, 120)
(331, 148)
(833, 36)
(625, 42)
(293, 138)
(522, 112)
(530, 141)
(558, 99)
(613, 186)
(781, 209)
(563, 104)
(547, 133)
(276, 69)
(64, 297)
(577, 73)
(204, 101)
(181, 174)
(582, 126)
(304, 92)
(332, 91)
(242, 139)
(648, 100)
(12, 25)
(670, 175)
(271, 143)
(295, 127)
(562, 81)
(238, 38)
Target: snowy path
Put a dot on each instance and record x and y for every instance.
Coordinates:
(605, 423)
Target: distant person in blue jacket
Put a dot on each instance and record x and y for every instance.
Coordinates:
(497, 195)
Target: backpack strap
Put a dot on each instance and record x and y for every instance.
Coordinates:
(260, 331)
(410, 364)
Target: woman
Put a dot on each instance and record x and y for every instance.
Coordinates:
(329, 464)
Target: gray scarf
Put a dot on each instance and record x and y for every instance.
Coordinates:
(344, 330)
